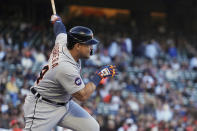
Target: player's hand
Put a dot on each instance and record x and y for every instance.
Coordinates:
(54, 18)
(107, 71)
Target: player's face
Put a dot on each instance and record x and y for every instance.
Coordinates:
(85, 51)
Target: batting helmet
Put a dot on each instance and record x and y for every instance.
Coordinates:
(82, 35)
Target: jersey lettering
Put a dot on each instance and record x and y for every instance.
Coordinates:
(55, 55)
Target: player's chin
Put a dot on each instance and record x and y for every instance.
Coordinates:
(85, 56)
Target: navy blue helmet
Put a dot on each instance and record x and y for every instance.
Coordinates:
(82, 35)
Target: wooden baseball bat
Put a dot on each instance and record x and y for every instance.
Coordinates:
(53, 7)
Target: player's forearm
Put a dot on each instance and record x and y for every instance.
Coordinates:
(59, 27)
(86, 92)
(89, 89)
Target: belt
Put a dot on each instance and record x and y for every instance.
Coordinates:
(33, 91)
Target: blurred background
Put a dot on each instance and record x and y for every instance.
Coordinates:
(152, 42)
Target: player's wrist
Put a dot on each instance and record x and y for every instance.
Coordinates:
(96, 79)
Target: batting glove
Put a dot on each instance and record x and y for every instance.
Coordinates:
(105, 71)
(54, 18)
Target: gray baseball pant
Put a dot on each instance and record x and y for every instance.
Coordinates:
(42, 116)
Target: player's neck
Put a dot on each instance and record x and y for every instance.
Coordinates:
(74, 54)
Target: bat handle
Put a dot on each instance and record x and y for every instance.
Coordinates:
(53, 7)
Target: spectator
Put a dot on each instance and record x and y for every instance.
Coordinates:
(13, 90)
(172, 50)
(2, 42)
(164, 113)
(128, 126)
(26, 61)
(105, 59)
(2, 53)
(151, 51)
(113, 49)
(40, 58)
(4, 120)
(193, 62)
(148, 82)
(14, 124)
(8, 40)
(110, 126)
(129, 45)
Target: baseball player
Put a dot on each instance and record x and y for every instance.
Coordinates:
(50, 100)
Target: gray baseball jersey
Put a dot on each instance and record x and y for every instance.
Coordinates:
(58, 80)
(61, 77)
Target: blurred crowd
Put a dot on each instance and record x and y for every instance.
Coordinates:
(156, 88)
